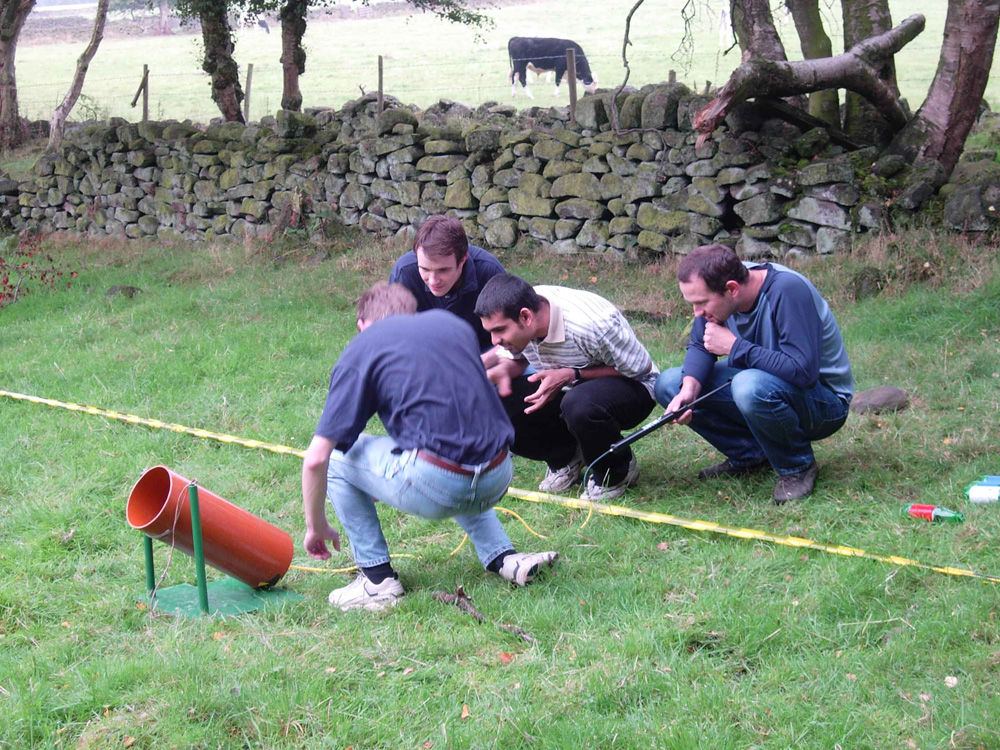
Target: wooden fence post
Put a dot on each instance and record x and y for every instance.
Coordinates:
(144, 90)
(381, 101)
(672, 78)
(246, 99)
(571, 74)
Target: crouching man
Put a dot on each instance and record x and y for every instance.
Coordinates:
(791, 379)
(446, 454)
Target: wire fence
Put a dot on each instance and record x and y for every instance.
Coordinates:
(187, 95)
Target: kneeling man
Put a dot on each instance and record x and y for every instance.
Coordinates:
(592, 379)
(445, 456)
(791, 379)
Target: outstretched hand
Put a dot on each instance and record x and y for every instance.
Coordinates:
(550, 382)
(316, 539)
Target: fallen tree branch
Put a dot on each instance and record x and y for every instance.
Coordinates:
(461, 600)
(854, 70)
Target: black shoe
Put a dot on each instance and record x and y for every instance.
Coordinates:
(727, 469)
(795, 486)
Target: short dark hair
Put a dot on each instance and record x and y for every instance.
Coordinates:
(383, 299)
(441, 237)
(715, 265)
(508, 294)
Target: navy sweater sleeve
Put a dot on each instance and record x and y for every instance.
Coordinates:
(796, 334)
(698, 361)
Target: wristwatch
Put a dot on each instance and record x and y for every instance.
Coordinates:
(576, 375)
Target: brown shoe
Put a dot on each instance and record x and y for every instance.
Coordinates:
(727, 469)
(795, 486)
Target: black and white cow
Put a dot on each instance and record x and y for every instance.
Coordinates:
(541, 54)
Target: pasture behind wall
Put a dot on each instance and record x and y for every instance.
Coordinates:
(511, 177)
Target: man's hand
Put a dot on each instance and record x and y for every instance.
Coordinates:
(718, 339)
(690, 389)
(549, 382)
(503, 372)
(315, 542)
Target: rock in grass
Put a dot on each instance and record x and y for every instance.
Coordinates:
(879, 399)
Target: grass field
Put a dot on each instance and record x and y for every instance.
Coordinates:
(648, 636)
(427, 59)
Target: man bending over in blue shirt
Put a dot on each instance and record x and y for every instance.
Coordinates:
(446, 454)
(792, 381)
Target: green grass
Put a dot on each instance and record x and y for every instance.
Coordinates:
(427, 59)
(648, 636)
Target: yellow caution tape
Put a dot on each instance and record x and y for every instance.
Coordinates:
(542, 497)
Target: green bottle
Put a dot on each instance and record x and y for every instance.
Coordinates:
(933, 513)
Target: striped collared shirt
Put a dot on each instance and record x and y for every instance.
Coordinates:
(585, 330)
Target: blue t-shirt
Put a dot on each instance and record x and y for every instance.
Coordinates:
(423, 377)
(790, 332)
(479, 268)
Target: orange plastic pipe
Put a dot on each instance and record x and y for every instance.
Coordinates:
(236, 542)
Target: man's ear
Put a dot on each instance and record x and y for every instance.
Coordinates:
(525, 317)
(732, 287)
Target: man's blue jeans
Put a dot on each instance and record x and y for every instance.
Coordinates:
(760, 416)
(374, 468)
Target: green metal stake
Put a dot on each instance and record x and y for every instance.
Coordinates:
(147, 547)
(199, 553)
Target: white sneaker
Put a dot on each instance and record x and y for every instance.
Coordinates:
(599, 493)
(522, 567)
(363, 594)
(558, 480)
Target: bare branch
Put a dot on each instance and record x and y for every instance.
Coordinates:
(853, 70)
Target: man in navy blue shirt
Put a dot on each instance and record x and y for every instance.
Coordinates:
(445, 456)
(791, 378)
(443, 271)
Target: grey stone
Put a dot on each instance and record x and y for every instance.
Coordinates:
(294, 125)
(549, 149)
(826, 172)
(830, 240)
(590, 113)
(653, 241)
(797, 233)
(436, 147)
(529, 205)
(459, 195)
(578, 208)
(542, 229)
(441, 163)
(965, 212)
(840, 193)
(567, 228)
(502, 233)
(662, 220)
(825, 213)
(761, 209)
(879, 399)
(749, 248)
(659, 108)
(580, 185)
(593, 233)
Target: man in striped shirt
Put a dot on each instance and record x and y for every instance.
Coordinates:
(592, 379)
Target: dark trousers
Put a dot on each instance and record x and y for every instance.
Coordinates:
(592, 414)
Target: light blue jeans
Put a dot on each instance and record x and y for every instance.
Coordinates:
(374, 468)
(760, 416)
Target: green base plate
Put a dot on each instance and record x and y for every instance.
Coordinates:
(225, 597)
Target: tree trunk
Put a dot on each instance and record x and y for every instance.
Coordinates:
(943, 122)
(755, 32)
(815, 44)
(164, 23)
(293, 55)
(13, 14)
(58, 123)
(219, 63)
(854, 70)
(864, 19)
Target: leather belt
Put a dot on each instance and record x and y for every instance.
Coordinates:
(444, 463)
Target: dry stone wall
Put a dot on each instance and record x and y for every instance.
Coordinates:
(648, 187)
